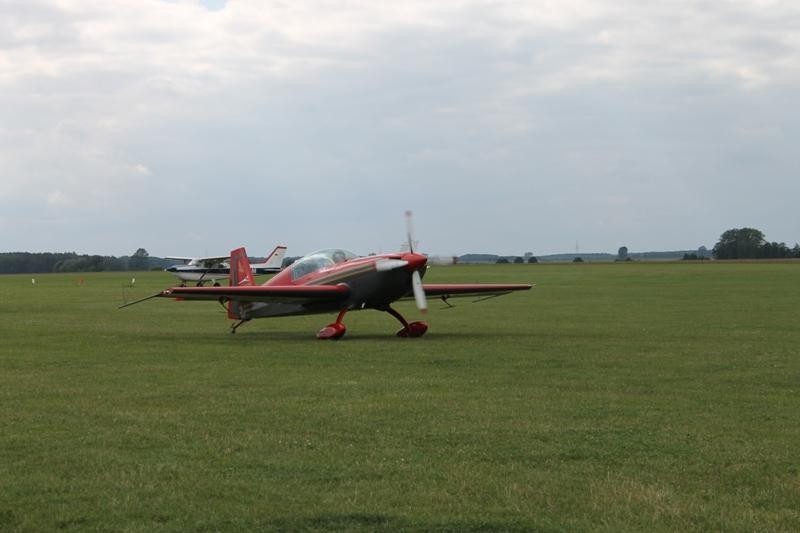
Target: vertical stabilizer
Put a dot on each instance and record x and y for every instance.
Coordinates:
(241, 276)
(275, 259)
(241, 273)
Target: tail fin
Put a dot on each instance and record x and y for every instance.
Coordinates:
(275, 259)
(241, 273)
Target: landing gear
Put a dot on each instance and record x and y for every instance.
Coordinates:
(333, 331)
(236, 325)
(413, 329)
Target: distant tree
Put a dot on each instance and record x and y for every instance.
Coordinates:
(502, 261)
(702, 252)
(532, 259)
(743, 243)
(20, 262)
(577, 260)
(690, 257)
(113, 263)
(518, 261)
(138, 261)
(775, 250)
(622, 253)
(796, 250)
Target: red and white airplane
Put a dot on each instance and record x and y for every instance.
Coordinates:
(328, 281)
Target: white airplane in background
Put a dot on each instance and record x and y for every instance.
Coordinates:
(203, 269)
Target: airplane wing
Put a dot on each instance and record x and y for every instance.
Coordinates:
(204, 262)
(449, 290)
(300, 294)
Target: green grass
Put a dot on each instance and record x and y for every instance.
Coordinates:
(610, 397)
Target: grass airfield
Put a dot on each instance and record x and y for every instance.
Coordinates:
(636, 396)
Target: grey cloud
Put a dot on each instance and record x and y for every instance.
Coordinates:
(503, 127)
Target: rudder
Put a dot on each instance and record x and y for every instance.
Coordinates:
(241, 275)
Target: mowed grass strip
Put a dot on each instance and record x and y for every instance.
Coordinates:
(610, 397)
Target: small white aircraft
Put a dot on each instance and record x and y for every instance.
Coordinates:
(211, 269)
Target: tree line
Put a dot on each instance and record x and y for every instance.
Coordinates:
(37, 263)
(737, 243)
(749, 243)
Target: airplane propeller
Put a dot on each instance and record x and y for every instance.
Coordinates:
(416, 279)
(419, 292)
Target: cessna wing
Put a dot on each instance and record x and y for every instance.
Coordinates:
(202, 262)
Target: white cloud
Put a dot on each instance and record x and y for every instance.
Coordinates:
(141, 169)
(58, 198)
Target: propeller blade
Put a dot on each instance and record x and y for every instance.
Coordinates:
(410, 232)
(419, 292)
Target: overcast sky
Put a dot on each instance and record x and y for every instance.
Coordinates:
(192, 127)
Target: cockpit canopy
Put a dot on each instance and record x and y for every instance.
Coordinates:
(319, 260)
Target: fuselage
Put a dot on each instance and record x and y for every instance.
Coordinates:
(194, 273)
(374, 282)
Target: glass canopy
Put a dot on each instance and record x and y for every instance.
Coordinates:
(319, 260)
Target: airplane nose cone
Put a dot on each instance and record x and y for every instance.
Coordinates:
(415, 261)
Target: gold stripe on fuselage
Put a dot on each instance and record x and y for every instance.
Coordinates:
(338, 277)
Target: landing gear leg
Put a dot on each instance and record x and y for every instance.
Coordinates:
(239, 323)
(333, 331)
(413, 329)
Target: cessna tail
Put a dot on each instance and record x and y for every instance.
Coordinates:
(272, 263)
